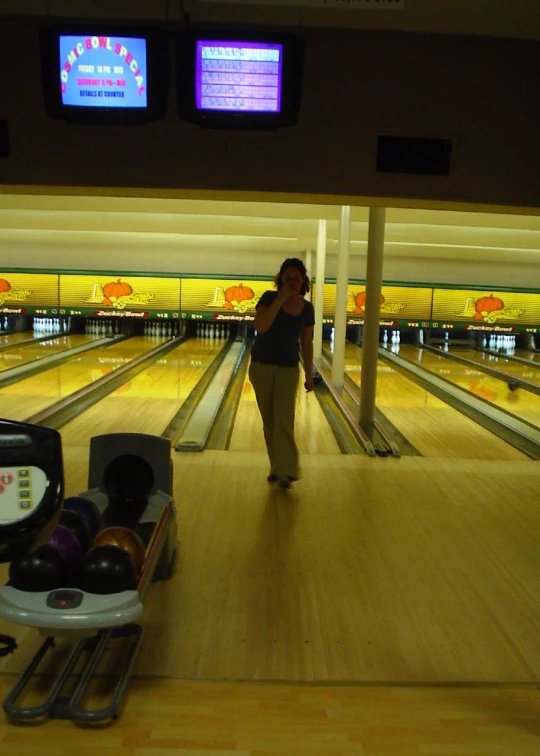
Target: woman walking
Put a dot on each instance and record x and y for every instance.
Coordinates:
(284, 323)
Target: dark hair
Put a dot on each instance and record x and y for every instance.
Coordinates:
(293, 262)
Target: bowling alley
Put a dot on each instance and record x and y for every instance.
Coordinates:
(270, 377)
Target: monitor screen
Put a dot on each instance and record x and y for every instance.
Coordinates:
(242, 77)
(103, 71)
(95, 74)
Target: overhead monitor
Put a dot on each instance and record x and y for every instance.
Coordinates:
(103, 75)
(239, 80)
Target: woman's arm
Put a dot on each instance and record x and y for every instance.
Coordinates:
(265, 316)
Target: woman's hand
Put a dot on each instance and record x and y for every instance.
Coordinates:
(308, 383)
(287, 291)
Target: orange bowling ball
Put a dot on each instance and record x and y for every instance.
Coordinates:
(125, 539)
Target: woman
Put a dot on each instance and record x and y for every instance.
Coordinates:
(284, 323)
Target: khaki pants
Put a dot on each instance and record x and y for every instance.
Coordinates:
(275, 388)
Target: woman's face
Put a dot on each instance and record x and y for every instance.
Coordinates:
(294, 278)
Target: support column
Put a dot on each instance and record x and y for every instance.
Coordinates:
(340, 316)
(319, 294)
(370, 345)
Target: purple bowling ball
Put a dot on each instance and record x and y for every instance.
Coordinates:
(67, 544)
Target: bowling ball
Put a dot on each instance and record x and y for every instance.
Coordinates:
(87, 509)
(79, 526)
(126, 539)
(317, 377)
(67, 544)
(106, 570)
(513, 385)
(42, 570)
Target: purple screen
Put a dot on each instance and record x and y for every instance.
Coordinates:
(242, 77)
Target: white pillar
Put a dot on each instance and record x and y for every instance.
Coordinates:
(308, 263)
(370, 342)
(340, 317)
(319, 294)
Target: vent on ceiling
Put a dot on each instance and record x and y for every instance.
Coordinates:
(399, 154)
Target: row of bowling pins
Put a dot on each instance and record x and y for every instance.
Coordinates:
(153, 328)
(51, 325)
(504, 341)
(394, 339)
(101, 326)
(213, 330)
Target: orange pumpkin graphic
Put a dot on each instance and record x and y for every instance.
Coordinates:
(115, 290)
(237, 294)
(487, 305)
(4, 285)
(360, 302)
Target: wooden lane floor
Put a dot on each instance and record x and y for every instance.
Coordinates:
(26, 353)
(433, 427)
(526, 354)
(501, 361)
(312, 431)
(12, 339)
(148, 402)
(370, 570)
(22, 399)
(521, 403)
(163, 717)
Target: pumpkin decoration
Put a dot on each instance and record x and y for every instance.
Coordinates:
(4, 285)
(235, 294)
(360, 302)
(485, 305)
(114, 290)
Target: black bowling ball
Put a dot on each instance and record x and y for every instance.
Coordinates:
(45, 569)
(317, 377)
(106, 570)
(513, 385)
(80, 528)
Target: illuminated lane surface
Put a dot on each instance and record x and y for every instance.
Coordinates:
(502, 362)
(24, 398)
(433, 427)
(10, 339)
(25, 354)
(148, 402)
(521, 403)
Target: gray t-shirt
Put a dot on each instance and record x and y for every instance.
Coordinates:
(280, 345)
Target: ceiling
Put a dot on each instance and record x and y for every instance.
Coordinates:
(518, 19)
(283, 228)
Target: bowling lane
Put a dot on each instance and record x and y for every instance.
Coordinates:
(526, 354)
(521, 403)
(148, 402)
(24, 398)
(500, 362)
(11, 339)
(312, 431)
(430, 425)
(55, 345)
